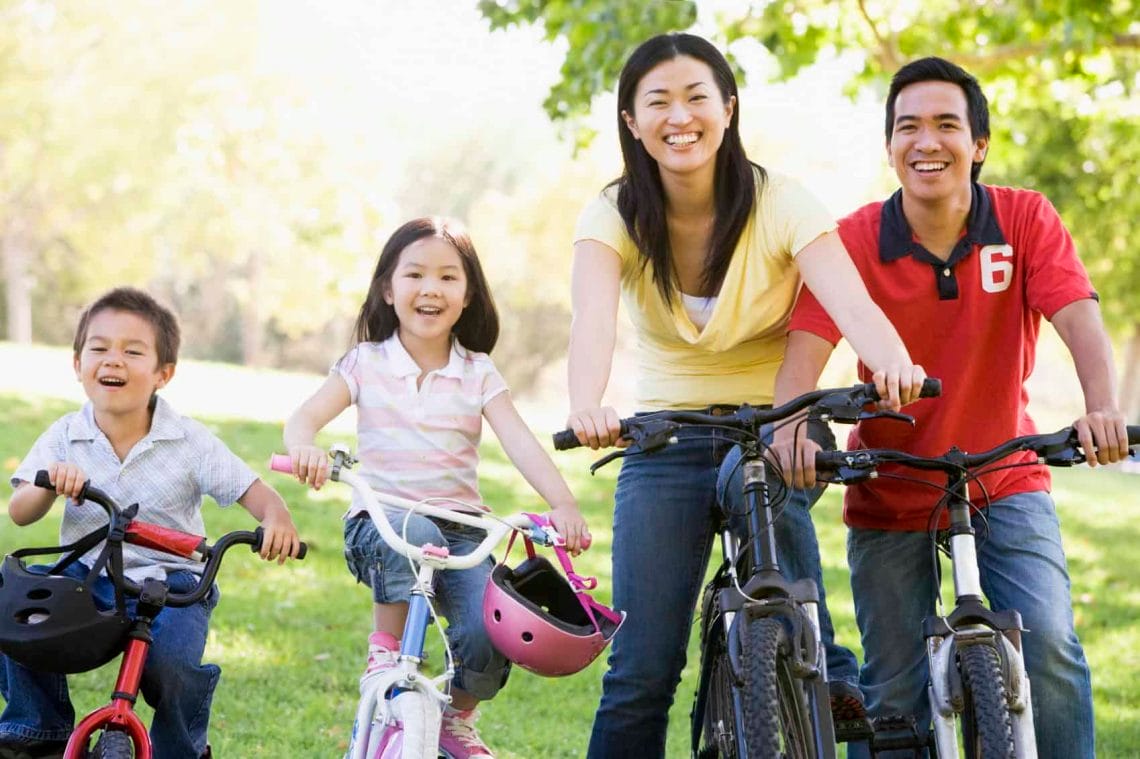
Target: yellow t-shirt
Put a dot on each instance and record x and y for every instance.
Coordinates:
(735, 357)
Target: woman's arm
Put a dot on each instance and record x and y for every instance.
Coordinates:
(594, 290)
(311, 464)
(832, 277)
(524, 451)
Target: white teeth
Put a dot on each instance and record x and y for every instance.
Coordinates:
(112, 381)
(930, 165)
(681, 139)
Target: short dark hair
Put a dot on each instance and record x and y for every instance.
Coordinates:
(641, 196)
(934, 69)
(167, 334)
(478, 325)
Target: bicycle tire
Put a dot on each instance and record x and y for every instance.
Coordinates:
(775, 715)
(987, 728)
(112, 744)
(719, 728)
(420, 717)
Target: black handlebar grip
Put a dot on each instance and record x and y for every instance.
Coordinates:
(259, 536)
(931, 388)
(43, 480)
(565, 440)
(304, 549)
(1134, 434)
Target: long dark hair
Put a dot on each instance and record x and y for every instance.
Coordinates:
(941, 70)
(478, 325)
(641, 196)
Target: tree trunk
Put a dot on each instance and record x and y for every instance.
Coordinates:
(252, 322)
(1130, 377)
(17, 280)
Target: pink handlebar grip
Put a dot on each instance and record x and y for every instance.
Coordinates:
(280, 462)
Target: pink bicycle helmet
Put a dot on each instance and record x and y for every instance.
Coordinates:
(543, 621)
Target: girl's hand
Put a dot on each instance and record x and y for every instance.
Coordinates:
(596, 427)
(310, 465)
(67, 478)
(571, 526)
(279, 539)
(899, 385)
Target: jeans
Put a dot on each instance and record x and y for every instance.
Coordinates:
(174, 681)
(479, 668)
(665, 519)
(1022, 567)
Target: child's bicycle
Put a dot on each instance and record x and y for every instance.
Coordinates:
(763, 689)
(535, 618)
(50, 622)
(977, 672)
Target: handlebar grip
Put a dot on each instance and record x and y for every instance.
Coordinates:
(43, 480)
(259, 536)
(931, 388)
(281, 462)
(1134, 434)
(564, 440)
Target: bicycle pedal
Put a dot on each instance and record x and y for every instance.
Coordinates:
(847, 730)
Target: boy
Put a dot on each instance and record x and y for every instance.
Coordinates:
(134, 446)
(965, 272)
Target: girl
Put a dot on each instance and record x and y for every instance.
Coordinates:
(421, 379)
(708, 250)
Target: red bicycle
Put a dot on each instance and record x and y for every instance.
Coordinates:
(81, 637)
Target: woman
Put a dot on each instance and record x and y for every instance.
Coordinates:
(708, 250)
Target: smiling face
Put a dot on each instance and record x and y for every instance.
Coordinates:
(931, 148)
(118, 365)
(428, 291)
(680, 115)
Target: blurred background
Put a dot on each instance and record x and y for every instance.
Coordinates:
(246, 160)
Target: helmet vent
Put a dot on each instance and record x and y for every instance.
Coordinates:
(39, 594)
(528, 637)
(498, 615)
(32, 616)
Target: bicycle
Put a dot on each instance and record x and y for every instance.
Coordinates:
(400, 710)
(977, 672)
(87, 638)
(763, 689)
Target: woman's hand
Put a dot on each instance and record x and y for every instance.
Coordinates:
(795, 452)
(310, 465)
(596, 427)
(570, 524)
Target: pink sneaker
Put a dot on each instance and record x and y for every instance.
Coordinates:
(383, 653)
(459, 738)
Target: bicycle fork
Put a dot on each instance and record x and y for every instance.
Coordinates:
(973, 624)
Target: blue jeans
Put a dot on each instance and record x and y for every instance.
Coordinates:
(174, 680)
(479, 668)
(665, 519)
(1022, 567)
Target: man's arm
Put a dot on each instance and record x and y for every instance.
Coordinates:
(1103, 425)
(804, 360)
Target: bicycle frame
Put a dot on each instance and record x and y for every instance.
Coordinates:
(411, 725)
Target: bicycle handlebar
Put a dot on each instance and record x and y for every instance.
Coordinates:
(841, 404)
(1059, 448)
(168, 540)
(497, 527)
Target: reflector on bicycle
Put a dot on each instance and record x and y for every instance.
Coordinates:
(543, 621)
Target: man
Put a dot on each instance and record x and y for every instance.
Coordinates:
(965, 272)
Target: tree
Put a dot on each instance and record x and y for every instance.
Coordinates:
(1062, 80)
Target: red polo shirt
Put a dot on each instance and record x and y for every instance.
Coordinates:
(971, 321)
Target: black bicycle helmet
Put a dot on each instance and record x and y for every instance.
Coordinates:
(50, 622)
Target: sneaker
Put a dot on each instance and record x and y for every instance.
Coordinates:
(383, 653)
(459, 738)
(848, 712)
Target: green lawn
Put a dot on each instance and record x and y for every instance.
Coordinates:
(291, 640)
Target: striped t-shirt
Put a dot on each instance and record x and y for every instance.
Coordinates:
(419, 442)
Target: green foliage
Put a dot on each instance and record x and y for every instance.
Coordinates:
(291, 640)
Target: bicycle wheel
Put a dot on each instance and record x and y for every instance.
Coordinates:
(987, 729)
(775, 714)
(719, 728)
(419, 717)
(112, 744)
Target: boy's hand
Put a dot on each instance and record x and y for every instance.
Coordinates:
(280, 540)
(67, 478)
(310, 465)
(571, 526)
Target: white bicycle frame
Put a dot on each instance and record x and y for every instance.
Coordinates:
(417, 706)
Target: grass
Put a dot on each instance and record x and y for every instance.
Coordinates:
(290, 640)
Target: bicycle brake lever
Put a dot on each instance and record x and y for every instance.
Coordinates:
(648, 436)
(895, 415)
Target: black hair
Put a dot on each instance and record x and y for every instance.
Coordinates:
(167, 334)
(934, 69)
(641, 196)
(478, 325)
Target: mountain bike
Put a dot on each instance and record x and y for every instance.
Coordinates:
(400, 710)
(763, 689)
(117, 730)
(978, 679)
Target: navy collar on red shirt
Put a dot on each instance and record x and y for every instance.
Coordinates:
(896, 240)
